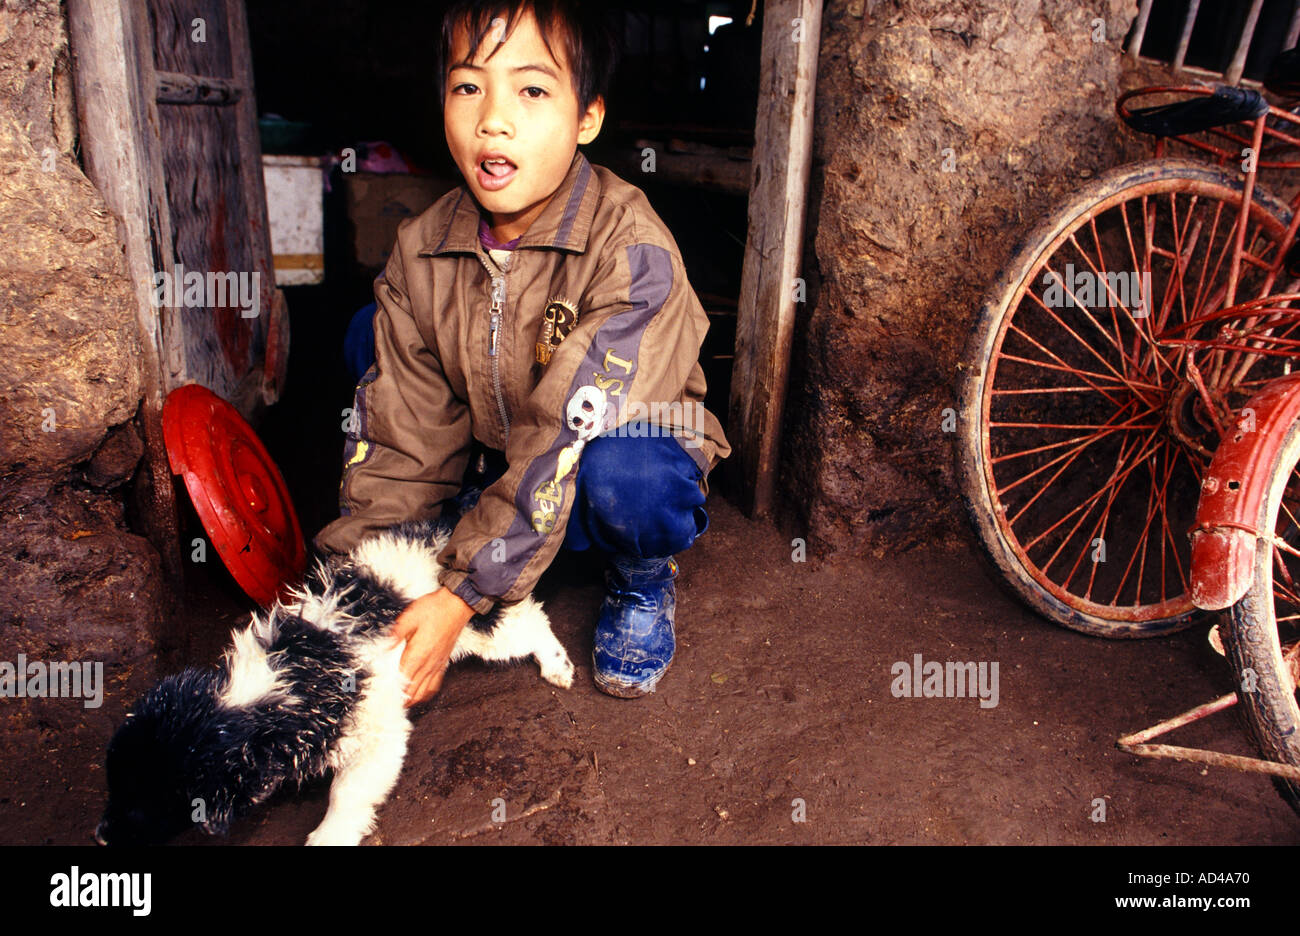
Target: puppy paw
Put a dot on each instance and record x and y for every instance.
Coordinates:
(557, 668)
(327, 834)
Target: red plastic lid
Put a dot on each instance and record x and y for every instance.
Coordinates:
(237, 491)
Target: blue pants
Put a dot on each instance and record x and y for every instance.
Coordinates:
(359, 342)
(635, 496)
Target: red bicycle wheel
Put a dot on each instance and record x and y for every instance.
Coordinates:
(1083, 440)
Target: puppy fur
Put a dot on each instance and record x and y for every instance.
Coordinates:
(312, 685)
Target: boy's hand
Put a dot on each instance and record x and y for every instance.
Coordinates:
(430, 626)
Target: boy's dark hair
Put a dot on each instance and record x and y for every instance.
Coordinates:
(589, 44)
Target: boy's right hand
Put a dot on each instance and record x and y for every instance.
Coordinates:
(430, 625)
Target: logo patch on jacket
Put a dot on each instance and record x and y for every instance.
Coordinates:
(558, 319)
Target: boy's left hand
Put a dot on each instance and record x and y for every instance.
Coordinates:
(430, 626)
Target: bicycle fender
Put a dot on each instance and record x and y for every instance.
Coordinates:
(1228, 514)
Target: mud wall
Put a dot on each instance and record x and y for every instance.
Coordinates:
(74, 583)
(943, 130)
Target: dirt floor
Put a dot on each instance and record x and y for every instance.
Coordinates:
(780, 693)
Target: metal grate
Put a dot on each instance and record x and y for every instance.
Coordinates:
(1230, 42)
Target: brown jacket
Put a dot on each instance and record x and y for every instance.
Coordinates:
(453, 364)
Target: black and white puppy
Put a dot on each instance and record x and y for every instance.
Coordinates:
(312, 685)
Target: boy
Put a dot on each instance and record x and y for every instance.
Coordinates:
(526, 312)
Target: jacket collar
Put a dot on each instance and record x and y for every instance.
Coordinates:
(563, 224)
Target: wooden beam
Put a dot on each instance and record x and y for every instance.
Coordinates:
(1139, 29)
(1185, 39)
(778, 192)
(273, 304)
(174, 88)
(116, 111)
(1238, 65)
(1293, 31)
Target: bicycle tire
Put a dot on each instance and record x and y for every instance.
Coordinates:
(1252, 640)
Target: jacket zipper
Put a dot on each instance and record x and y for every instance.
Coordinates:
(494, 329)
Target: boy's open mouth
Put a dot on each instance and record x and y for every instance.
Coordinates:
(495, 172)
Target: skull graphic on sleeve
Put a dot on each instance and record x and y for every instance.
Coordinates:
(585, 413)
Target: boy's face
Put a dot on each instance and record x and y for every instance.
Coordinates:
(520, 107)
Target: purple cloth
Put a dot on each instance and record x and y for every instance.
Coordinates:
(491, 243)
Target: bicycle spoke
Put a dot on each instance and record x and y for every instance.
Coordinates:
(997, 459)
(1140, 551)
(1179, 255)
(1070, 331)
(1162, 508)
(1143, 267)
(1197, 307)
(1117, 477)
(1089, 376)
(1087, 313)
(1101, 264)
(1232, 361)
(1072, 454)
(1173, 455)
(1112, 302)
(1102, 519)
(1033, 425)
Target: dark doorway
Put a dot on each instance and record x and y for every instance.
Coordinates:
(686, 88)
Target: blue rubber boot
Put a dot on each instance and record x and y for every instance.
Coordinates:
(634, 634)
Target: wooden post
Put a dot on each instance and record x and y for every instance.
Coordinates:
(270, 379)
(1238, 65)
(118, 120)
(778, 192)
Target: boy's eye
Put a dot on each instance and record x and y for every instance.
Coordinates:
(464, 88)
(535, 92)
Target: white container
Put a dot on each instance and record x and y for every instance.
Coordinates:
(295, 205)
